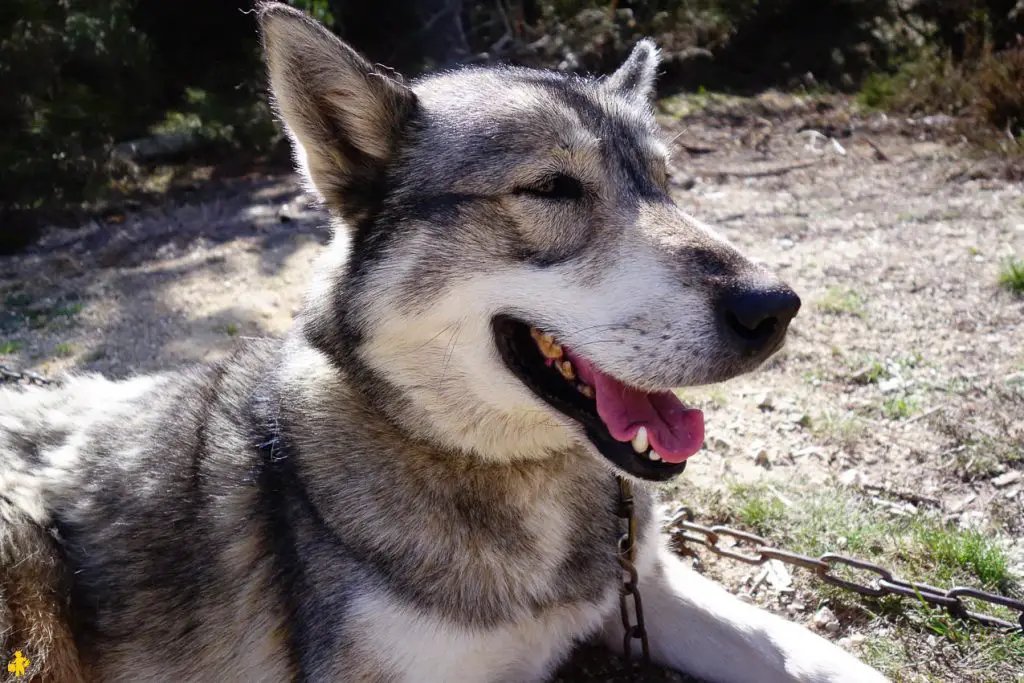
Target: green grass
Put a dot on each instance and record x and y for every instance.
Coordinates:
(919, 547)
(1012, 276)
(21, 310)
(231, 329)
(842, 301)
(841, 429)
(955, 553)
(877, 91)
(757, 508)
(871, 373)
(10, 346)
(899, 407)
(64, 349)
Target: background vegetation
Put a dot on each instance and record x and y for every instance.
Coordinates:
(100, 92)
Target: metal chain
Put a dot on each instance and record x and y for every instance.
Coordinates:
(884, 583)
(630, 588)
(9, 376)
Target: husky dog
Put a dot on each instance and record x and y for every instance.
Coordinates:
(419, 483)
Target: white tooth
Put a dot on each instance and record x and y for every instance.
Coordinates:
(640, 443)
(653, 455)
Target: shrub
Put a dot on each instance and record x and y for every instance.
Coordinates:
(1000, 83)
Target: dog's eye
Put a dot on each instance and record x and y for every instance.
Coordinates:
(558, 186)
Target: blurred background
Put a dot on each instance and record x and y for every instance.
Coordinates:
(101, 95)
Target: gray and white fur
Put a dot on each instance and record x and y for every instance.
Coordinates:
(376, 497)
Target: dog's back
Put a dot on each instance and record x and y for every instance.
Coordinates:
(137, 494)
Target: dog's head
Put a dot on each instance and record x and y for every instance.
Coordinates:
(508, 258)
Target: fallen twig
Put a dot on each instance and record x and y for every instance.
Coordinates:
(754, 172)
(696, 148)
(922, 416)
(903, 494)
(879, 154)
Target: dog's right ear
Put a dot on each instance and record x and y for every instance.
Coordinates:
(344, 115)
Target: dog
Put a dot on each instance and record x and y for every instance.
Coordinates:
(421, 482)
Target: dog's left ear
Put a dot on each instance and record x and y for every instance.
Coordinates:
(635, 78)
(344, 115)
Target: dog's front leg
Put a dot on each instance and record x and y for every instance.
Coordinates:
(697, 627)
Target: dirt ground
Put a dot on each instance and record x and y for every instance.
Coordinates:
(903, 375)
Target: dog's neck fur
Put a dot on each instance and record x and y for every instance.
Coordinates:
(451, 494)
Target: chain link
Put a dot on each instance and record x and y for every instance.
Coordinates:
(10, 376)
(883, 582)
(630, 589)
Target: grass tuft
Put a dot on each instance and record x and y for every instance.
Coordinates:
(10, 346)
(899, 407)
(842, 301)
(1012, 276)
(64, 349)
(955, 552)
(841, 429)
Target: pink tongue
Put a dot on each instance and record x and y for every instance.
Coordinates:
(674, 431)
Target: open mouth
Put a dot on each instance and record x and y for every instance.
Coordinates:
(647, 434)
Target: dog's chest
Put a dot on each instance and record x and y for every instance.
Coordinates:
(397, 643)
(483, 592)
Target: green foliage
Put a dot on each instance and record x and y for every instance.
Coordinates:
(65, 69)
(1001, 89)
(1012, 276)
(64, 349)
(9, 347)
(81, 76)
(899, 407)
(969, 61)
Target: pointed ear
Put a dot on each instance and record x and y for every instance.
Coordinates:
(344, 116)
(635, 78)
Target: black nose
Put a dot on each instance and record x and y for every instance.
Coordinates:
(756, 319)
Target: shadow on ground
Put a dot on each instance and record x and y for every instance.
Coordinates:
(152, 290)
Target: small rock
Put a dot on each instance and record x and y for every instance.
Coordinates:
(761, 460)
(824, 616)
(796, 606)
(1005, 480)
(744, 597)
(765, 404)
(719, 444)
(851, 477)
(779, 576)
(832, 627)
(852, 641)
(890, 385)
(961, 505)
(786, 243)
